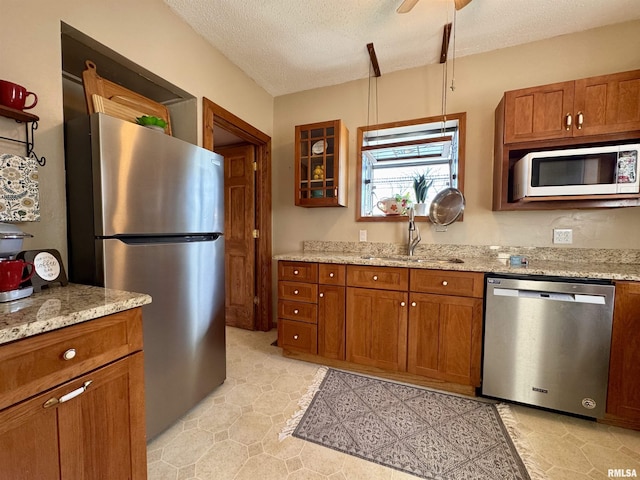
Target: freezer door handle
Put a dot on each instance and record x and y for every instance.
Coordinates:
(173, 238)
(555, 296)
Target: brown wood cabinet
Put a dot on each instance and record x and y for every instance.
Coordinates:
(331, 310)
(72, 402)
(321, 155)
(594, 110)
(623, 395)
(445, 331)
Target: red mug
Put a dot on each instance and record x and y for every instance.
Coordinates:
(15, 96)
(11, 274)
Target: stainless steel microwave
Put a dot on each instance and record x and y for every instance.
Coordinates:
(577, 171)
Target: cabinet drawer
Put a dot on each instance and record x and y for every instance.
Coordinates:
(384, 278)
(41, 362)
(332, 274)
(443, 282)
(302, 312)
(300, 292)
(298, 271)
(298, 336)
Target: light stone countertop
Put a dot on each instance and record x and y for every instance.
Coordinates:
(58, 307)
(573, 263)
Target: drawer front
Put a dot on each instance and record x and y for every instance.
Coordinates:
(38, 363)
(302, 312)
(444, 282)
(384, 278)
(299, 292)
(298, 271)
(299, 336)
(332, 274)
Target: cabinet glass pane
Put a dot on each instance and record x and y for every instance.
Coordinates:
(304, 133)
(317, 133)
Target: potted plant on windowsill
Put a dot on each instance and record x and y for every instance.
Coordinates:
(421, 185)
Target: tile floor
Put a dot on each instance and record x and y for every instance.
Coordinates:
(233, 433)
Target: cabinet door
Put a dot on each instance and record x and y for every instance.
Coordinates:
(623, 395)
(539, 113)
(445, 337)
(320, 164)
(331, 321)
(607, 104)
(377, 328)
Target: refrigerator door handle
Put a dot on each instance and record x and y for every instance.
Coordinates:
(173, 238)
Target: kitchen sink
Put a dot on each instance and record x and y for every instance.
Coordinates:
(406, 258)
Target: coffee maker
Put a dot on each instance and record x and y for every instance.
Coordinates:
(11, 238)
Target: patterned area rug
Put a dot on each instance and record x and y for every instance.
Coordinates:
(418, 431)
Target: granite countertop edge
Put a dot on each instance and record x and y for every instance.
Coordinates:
(59, 307)
(607, 271)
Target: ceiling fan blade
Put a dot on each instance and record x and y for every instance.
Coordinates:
(407, 5)
(460, 4)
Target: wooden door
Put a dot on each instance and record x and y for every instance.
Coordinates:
(444, 339)
(539, 113)
(608, 104)
(376, 328)
(239, 224)
(623, 395)
(331, 321)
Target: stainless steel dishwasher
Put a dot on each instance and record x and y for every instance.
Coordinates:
(547, 342)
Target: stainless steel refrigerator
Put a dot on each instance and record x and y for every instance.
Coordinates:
(145, 213)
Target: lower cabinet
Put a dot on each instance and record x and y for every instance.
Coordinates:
(377, 328)
(445, 338)
(623, 395)
(91, 427)
(331, 321)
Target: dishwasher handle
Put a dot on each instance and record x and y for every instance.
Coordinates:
(554, 296)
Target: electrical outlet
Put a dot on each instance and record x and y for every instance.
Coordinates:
(363, 235)
(562, 236)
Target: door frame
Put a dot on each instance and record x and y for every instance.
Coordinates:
(214, 116)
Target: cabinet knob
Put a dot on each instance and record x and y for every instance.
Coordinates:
(567, 121)
(445, 283)
(402, 304)
(295, 292)
(413, 304)
(375, 277)
(321, 295)
(295, 337)
(69, 354)
(331, 275)
(295, 272)
(296, 311)
(580, 120)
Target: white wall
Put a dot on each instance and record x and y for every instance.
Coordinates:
(480, 83)
(148, 33)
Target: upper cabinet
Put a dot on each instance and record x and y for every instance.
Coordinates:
(601, 110)
(591, 106)
(321, 164)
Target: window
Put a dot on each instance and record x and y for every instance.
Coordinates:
(390, 156)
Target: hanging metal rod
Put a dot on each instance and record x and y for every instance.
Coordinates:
(374, 59)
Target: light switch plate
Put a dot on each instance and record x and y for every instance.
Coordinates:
(562, 236)
(363, 235)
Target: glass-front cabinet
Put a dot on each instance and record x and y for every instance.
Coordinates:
(321, 164)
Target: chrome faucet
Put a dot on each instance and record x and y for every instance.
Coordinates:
(414, 233)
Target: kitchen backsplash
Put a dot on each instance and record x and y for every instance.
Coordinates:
(571, 255)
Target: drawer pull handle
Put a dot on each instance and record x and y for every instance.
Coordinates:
(375, 277)
(445, 283)
(67, 396)
(413, 304)
(567, 121)
(296, 311)
(402, 304)
(295, 292)
(69, 354)
(295, 272)
(580, 120)
(295, 337)
(321, 295)
(331, 275)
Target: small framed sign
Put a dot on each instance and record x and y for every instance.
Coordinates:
(48, 266)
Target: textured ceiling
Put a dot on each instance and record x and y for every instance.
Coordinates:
(288, 46)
